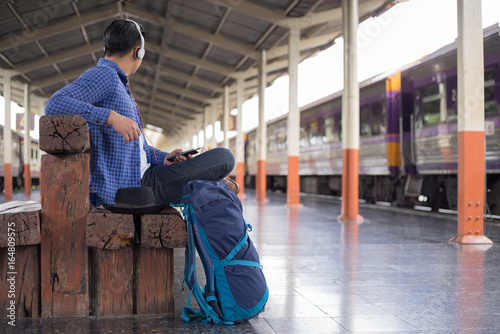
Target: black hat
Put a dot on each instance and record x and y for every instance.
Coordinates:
(135, 200)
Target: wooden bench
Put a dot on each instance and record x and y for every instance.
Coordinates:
(93, 262)
(20, 259)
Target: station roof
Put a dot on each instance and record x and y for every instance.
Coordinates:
(193, 47)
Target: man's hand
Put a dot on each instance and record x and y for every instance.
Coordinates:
(124, 126)
(177, 159)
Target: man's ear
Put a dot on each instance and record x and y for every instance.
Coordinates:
(135, 53)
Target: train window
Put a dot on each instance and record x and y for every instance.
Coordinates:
(252, 148)
(489, 91)
(364, 121)
(378, 121)
(314, 133)
(328, 130)
(338, 120)
(281, 141)
(271, 144)
(431, 104)
(303, 137)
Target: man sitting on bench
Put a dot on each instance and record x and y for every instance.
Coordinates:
(121, 156)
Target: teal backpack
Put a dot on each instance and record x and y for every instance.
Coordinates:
(236, 288)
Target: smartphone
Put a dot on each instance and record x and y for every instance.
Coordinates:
(185, 153)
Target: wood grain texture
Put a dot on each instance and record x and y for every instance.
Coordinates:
(166, 229)
(154, 281)
(112, 273)
(64, 256)
(25, 275)
(60, 134)
(23, 217)
(109, 230)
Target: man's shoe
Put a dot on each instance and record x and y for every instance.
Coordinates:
(232, 185)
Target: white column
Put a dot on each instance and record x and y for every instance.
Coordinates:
(262, 129)
(205, 126)
(261, 184)
(293, 133)
(27, 139)
(7, 135)
(240, 141)
(214, 120)
(225, 117)
(350, 97)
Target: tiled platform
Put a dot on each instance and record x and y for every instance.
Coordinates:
(395, 273)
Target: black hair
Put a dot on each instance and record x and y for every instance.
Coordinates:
(120, 37)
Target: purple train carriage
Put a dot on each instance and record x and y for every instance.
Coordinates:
(429, 122)
(408, 135)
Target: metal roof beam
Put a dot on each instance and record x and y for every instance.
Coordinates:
(182, 76)
(58, 57)
(163, 112)
(215, 39)
(251, 9)
(137, 78)
(188, 58)
(280, 19)
(180, 102)
(57, 79)
(72, 23)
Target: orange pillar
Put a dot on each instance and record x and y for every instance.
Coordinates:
(350, 114)
(27, 179)
(7, 184)
(471, 166)
(350, 193)
(293, 182)
(261, 184)
(470, 222)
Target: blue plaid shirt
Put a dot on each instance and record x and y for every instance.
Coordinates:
(93, 95)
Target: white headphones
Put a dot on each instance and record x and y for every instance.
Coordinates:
(142, 51)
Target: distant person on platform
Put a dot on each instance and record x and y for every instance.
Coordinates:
(121, 156)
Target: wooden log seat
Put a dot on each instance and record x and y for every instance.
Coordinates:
(131, 261)
(20, 259)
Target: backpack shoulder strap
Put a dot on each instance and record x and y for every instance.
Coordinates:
(191, 279)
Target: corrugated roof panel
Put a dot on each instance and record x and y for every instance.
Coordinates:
(187, 44)
(274, 4)
(84, 61)
(94, 5)
(41, 73)
(327, 5)
(273, 38)
(201, 15)
(178, 65)
(43, 15)
(199, 89)
(63, 41)
(224, 56)
(210, 75)
(24, 53)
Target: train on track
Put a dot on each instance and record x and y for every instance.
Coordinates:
(18, 160)
(408, 136)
